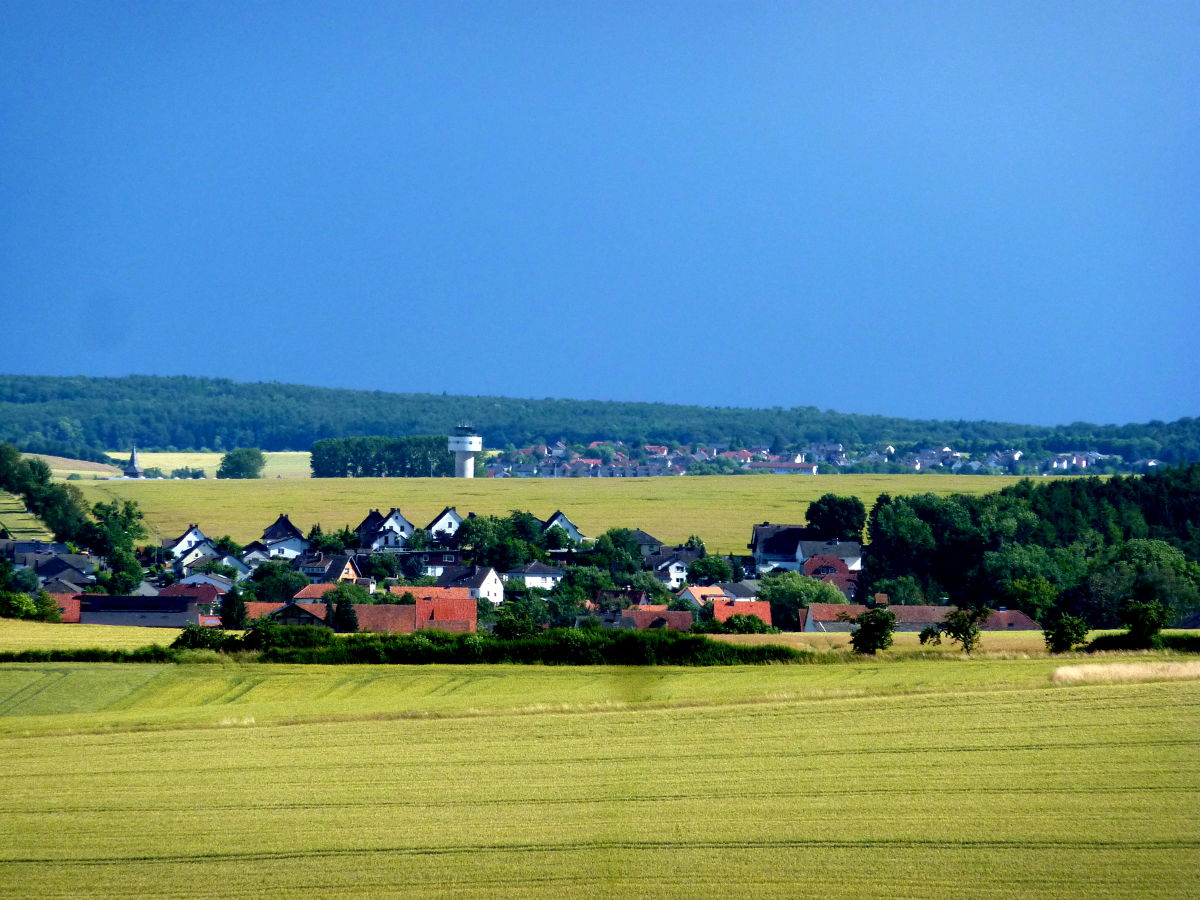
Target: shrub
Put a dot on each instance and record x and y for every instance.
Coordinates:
(874, 632)
(1065, 634)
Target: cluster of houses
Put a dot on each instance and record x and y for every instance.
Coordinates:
(615, 459)
(202, 572)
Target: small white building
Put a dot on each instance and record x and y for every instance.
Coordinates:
(444, 525)
(536, 574)
(560, 520)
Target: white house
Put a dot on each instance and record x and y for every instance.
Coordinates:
(560, 520)
(536, 574)
(382, 533)
(195, 555)
(185, 541)
(482, 581)
(284, 540)
(445, 524)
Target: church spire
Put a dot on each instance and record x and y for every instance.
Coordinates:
(134, 469)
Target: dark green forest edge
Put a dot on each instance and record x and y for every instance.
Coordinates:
(82, 417)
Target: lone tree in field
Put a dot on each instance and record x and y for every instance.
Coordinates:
(874, 632)
(244, 462)
(1065, 634)
(233, 610)
(963, 626)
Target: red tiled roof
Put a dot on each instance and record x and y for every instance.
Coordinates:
(817, 562)
(723, 609)
(68, 606)
(314, 591)
(439, 593)
(256, 610)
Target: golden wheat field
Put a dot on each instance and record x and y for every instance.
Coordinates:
(919, 779)
(721, 509)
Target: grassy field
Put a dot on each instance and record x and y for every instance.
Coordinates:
(62, 467)
(16, 634)
(281, 464)
(721, 509)
(917, 779)
(23, 526)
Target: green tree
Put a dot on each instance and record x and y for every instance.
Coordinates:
(874, 632)
(345, 619)
(709, 570)
(1145, 619)
(242, 462)
(125, 572)
(789, 592)
(233, 609)
(276, 582)
(1065, 634)
(963, 626)
(840, 518)
(903, 590)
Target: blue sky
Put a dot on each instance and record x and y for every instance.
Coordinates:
(953, 210)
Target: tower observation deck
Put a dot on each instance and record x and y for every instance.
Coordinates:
(464, 443)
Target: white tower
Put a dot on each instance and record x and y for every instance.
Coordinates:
(464, 444)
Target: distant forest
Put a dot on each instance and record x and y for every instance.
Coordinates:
(82, 416)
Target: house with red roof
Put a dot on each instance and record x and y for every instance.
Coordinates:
(724, 608)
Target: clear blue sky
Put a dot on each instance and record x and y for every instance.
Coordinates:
(957, 210)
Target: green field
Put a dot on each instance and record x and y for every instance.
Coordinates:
(916, 779)
(721, 509)
(23, 526)
(281, 464)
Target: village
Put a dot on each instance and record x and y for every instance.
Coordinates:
(616, 459)
(407, 578)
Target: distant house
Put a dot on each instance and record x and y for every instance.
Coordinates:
(647, 543)
(283, 540)
(444, 525)
(150, 612)
(207, 595)
(432, 610)
(320, 567)
(559, 520)
(641, 618)
(788, 546)
(832, 570)
(380, 533)
(435, 559)
(481, 581)
(191, 536)
(220, 582)
(536, 574)
(701, 595)
(68, 606)
(783, 468)
(670, 565)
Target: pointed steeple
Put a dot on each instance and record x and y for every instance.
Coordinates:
(134, 469)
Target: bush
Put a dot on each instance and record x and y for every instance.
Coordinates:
(1065, 634)
(738, 623)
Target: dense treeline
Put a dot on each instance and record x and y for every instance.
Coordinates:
(81, 416)
(420, 456)
(1083, 547)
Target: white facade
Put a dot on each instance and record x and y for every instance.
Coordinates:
(464, 444)
(446, 524)
(561, 521)
(288, 548)
(492, 588)
(188, 540)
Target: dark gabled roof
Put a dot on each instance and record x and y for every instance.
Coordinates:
(546, 526)
(666, 556)
(255, 545)
(434, 520)
(739, 589)
(535, 568)
(371, 523)
(463, 576)
(837, 549)
(644, 539)
(281, 529)
(174, 542)
(777, 540)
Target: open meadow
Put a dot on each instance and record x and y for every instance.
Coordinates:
(722, 509)
(923, 778)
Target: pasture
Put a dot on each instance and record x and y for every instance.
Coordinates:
(911, 779)
(721, 509)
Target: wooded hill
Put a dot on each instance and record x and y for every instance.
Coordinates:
(82, 416)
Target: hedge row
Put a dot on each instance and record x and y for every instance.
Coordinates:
(566, 646)
(1184, 643)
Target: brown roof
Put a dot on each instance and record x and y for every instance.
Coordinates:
(1010, 620)
(1003, 620)
(204, 592)
(643, 618)
(256, 610)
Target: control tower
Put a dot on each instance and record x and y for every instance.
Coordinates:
(464, 444)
